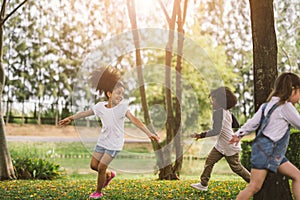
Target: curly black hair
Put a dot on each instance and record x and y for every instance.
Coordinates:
(105, 79)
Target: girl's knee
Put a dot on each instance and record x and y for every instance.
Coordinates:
(254, 188)
(94, 167)
(101, 168)
(296, 176)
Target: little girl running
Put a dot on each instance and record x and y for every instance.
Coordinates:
(272, 122)
(112, 114)
(222, 99)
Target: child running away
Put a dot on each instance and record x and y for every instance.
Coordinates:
(222, 99)
(112, 114)
(272, 122)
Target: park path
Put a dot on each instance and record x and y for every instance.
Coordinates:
(62, 139)
(48, 133)
(20, 138)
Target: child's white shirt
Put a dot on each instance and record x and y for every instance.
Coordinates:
(222, 128)
(112, 131)
(225, 135)
(279, 121)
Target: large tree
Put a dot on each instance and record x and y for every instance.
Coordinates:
(141, 85)
(173, 123)
(6, 167)
(265, 73)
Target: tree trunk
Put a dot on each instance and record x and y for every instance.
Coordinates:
(178, 128)
(6, 167)
(265, 72)
(39, 113)
(155, 145)
(7, 111)
(275, 187)
(264, 49)
(168, 172)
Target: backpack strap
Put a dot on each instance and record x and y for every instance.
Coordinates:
(265, 119)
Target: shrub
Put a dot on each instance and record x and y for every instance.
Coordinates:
(246, 154)
(28, 166)
(36, 168)
(293, 151)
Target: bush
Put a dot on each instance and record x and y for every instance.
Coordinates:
(246, 154)
(293, 151)
(28, 166)
(36, 168)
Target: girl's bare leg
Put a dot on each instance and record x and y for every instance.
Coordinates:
(293, 172)
(256, 181)
(102, 168)
(95, 162)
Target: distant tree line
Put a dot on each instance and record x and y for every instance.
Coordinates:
(45, 44)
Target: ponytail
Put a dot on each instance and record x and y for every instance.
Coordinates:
(284, 85)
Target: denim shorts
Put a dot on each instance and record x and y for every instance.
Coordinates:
(112, 153)
(267, 154)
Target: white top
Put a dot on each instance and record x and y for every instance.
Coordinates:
(223, 121)
(279, 121)
(112, 132)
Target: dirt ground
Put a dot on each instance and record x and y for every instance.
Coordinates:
(131, 134)
(39, 130)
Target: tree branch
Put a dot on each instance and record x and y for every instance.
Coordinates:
(184, 11)
(165, 10)
(12, 12)
(3, 9)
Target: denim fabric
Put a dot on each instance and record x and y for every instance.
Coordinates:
(267, 154)
(112, 153)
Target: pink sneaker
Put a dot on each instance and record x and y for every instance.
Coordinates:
(96, 195)
(113, 174)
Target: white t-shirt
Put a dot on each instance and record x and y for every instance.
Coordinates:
(112, 132)
(223, 123)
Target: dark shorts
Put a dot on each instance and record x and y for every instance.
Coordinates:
(267, 154)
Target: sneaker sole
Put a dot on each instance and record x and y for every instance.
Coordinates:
(199, 188)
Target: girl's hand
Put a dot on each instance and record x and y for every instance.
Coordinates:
(154, 137)
(234, 140)
(64, 122)
(198, 136)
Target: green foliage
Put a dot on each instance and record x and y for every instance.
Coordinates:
(39, 149)
(28, 165)
(246, 154)
(36, 168)
(119, 189)
(293, 152)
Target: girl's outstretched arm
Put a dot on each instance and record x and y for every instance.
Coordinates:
(141, 126)
(234, 140)
(79, 115)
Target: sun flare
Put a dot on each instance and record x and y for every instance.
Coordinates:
(145, 6)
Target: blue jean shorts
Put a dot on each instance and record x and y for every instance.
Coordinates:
(267, 155)
(112, 153)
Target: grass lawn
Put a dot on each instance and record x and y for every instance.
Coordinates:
(138, 187)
